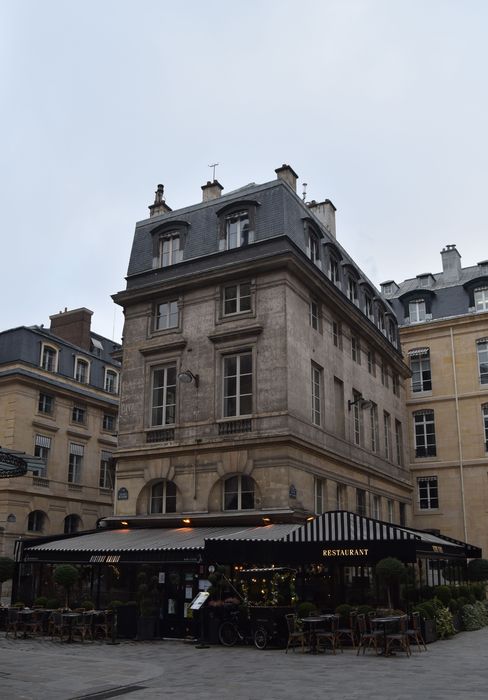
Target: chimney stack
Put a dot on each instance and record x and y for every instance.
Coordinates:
(159, 206)
(73, 326)
(325, 212)
(287, 174)
(212, 190)
(451, 262)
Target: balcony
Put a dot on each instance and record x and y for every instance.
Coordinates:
(233, 427)
(40, 481)
(429, 451)
(166, 435)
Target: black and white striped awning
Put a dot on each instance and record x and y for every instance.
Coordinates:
(343, 526)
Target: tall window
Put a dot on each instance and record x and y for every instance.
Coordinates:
(107, 470)
(316, 376)
(428, 493)
(373, 422)
(237, 299)
(46, 404)
(81, 370)
(166, 315)
(319, 496)
(371, 363)
(368, 307)
(109, 422)
(341, 497)
(75, 464)
(402, 513)
(239, 493)
(425, 445)
(421, 373)
(111, 381)
(387, 434)
(163, 404)
(313, 314)
(384, 373)
(237, 230)
(163, 497)
(395, 380)
(482, 347)
(481, 299)
(357, 417)
(78, 414)
(238, 385)
(337, 334)
(352, 290)
(169, 251)
(376, 507)
(72, 523)
(355, 349)
(35, 521)
(334, 271)
(391, 511)
(361, 502)
(416, 311)
(484, 414)
(399, 442)
(42, 449)
(49, 358)
(313, 250)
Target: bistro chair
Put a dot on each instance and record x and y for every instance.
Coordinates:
(13, 622)
(102, 624)
(34, 623)
(83, 626)
(367, 637)
(296, 635)
(348, 632)
(329, 633)
(57, 627)
(399, 639)
(414, 632)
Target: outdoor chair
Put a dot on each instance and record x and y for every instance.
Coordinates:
(399, 639)
(296, 635)
(82, 627)
(367, 637)
(13, 622)
(414, 632)
(57, 627)
(348, 632)
(102, 624)
(34, 624)
(329, 633)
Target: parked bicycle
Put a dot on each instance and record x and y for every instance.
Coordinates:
(251, 625)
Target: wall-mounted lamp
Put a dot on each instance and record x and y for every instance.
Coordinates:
(124, 522)
(187, 521)
(363, 403)
(187, 377)
(266, 520)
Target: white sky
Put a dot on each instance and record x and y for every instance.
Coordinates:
(379, 105)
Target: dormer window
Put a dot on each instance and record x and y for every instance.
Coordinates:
(417, 310)
(368, 307)
(170, 251)
(352, 291)
(49, 358)
(313, 250)
(481, 299)
(237, 230)
(82, 370)
(111, 381)
(334, 271)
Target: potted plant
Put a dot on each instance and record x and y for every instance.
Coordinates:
(147, 600)
(66, 575)
(390, 571)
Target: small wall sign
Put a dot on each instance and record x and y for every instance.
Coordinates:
(122, 494)
(292, 491)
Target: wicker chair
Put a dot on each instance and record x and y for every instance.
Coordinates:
(296, 635)
(329, 633)
(83, 626)
(102, 624)
(35, 623)
(367, 637)
(57, 627)
(13, 622)
(414, 632)
(400, 639)
(348, 632)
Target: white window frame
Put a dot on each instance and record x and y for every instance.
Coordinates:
(75, 462)
(316, 387)
(83, 377)
(361, 502)
(42, 449)
(112, 417)
(480, 297)
(423, 443)
(239, 492)
(166, 315)
(356, 349)
(170, 251)
(107, 472)
(337, 334)
(484, 417)
(334, 274)
(243, 235)
(320, 495)
(417, 311)
(167, 407)
(387, 434)
(48, 350)
(399, 442)
(75, 408)
(38, 521)
(357, 419)
(369, 307)
(374, 427)
(314, 314)
(352, 290)
(239, 396)
(242, 298)
(167, 498)
(112, 386)
(313, 248)
(482, 352)
(421, 368)
(427, 492)
(41, 401)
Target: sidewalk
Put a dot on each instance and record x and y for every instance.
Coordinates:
(45, 670)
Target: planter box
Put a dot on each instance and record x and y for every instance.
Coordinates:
(429, 631)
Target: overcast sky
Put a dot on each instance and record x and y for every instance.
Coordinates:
(379, 105)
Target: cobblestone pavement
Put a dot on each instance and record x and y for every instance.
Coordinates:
(33, 669)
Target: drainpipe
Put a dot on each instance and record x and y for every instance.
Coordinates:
(461, 463)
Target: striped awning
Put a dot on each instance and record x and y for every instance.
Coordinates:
(343, 526)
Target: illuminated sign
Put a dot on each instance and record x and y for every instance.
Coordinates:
(358, 552)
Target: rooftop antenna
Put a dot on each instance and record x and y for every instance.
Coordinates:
(213, 165)
(304, 191)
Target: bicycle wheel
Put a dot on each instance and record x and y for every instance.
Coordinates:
(228, 634)
(260, 637)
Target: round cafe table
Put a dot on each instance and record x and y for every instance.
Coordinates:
(384, 622)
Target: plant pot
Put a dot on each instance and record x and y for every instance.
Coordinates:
(457, 622)
(429, 631)
(127, 621)
(146, 628)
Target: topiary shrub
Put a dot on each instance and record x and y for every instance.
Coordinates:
(40, 602)
(306, 609)
(453, 606)
(443, 593)
(365, 609)
(471, 618)
(390, 571)
(478, 570)
(344, 611)
(66, 576)
(479, 590)
(426, 592)
(426, 610)
(443, 621)
(52, 603)
(88, 605)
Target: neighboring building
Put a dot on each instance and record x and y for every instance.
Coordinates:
(261, 368)
(444, 335)
(59, 405)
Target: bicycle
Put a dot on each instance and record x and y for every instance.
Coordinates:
(242, 630)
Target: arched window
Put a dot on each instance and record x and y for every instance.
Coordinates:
(72, 523)
(163, 497)
(35, 521)
(111, 381)
(82, 370)
(239, 493)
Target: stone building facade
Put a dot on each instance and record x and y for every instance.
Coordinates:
(444, 333)
(59, 406)
(261, 368)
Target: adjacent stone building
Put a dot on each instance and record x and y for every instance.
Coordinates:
(59, 406)
(444, 333)
(261, 368)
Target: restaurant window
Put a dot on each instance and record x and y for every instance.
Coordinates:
(387, 434)
(373, 424)
(46, 404)
(337, 334)
(316, 381)
(75, 463)
(82, 371)
(427, 492)
(236, 299)
(421, 372)
(481, 299)
(170, 251)
(49, 358)
(313, 314)
(36, 521)
(163, 396)
(237, 394)
(111, 381)
(72, 524)
(484, 414)
(166, 315)
(361, 502)
(482, 347)
(424, 433)
(341, 497)
(163, 497)
(42, 449)
(107, 470)
(239, 493)
(320, 496)
(355, 349)
(399, 442)
(78, 414)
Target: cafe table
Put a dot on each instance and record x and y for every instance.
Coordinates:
(70, 617)
(386, 622)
